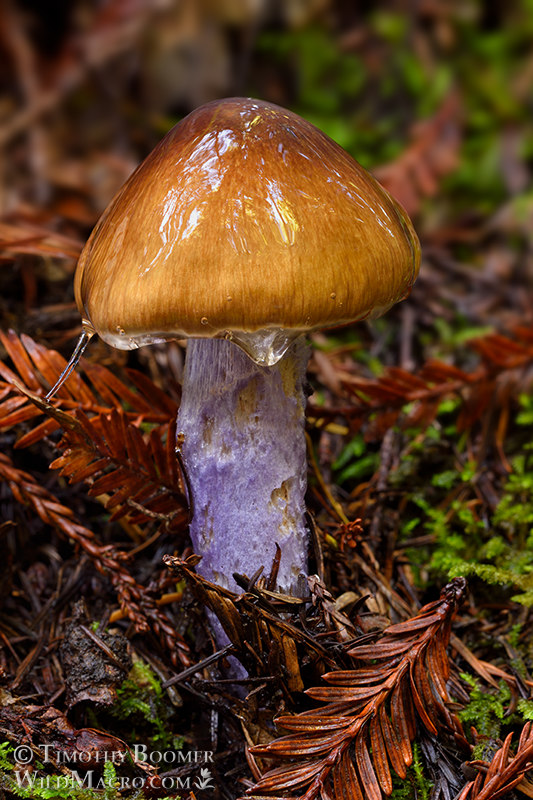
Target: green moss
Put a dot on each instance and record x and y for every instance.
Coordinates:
(141, 700)
(355, 462)
(417, 785)
(30, 783)
(525, 708)
(486, 709)
(448, 510)
(506, 558)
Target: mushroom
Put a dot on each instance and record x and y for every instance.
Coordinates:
(245, 228)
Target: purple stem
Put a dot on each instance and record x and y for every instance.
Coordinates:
(245, 456)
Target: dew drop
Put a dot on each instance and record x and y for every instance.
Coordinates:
(203, 321)
(120, 331)
(229, 298)
(333, 295)
(228, 335)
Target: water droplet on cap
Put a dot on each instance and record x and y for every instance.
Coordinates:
(204, 321)
(229, 298)
(333, 295)
(120, 331)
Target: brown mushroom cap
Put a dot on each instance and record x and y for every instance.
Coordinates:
(244, 219)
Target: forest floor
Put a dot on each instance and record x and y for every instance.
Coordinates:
(407, 669)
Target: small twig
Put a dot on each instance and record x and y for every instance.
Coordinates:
(197, 667)
(102, 646)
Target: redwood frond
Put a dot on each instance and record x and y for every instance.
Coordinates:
(134, 600)
(350, 747)
(102, 441)
(35, 368)
(504, 361)
(504, 772)
(345, 781)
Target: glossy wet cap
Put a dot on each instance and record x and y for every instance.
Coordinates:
(248, 222)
